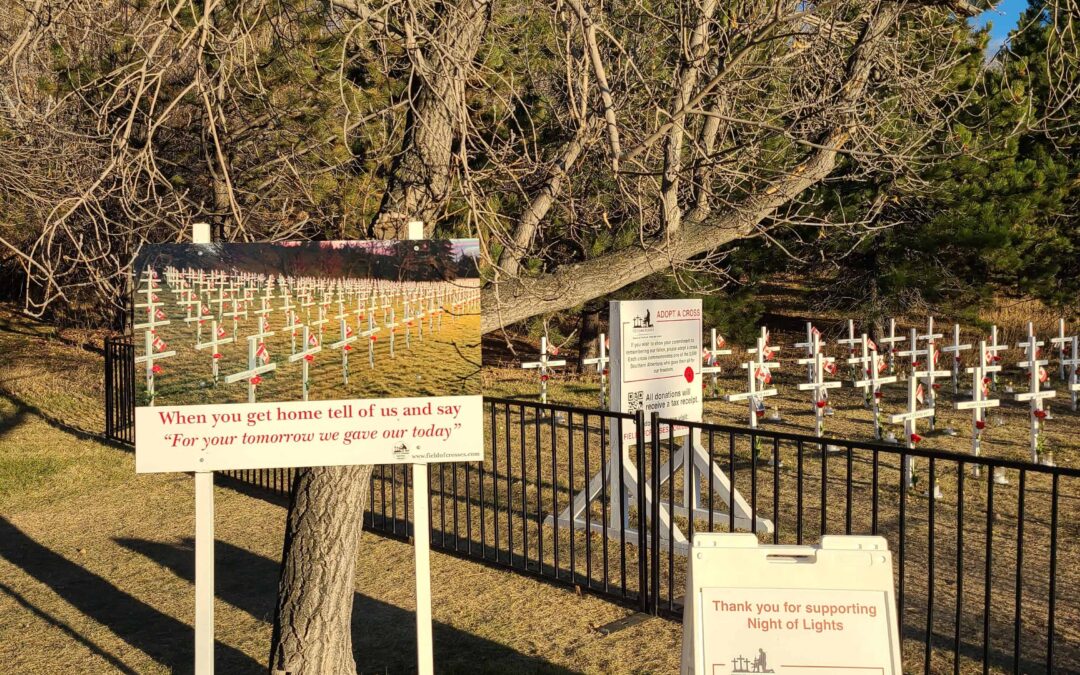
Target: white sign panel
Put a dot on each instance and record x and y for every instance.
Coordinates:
(790, 610)
(315, 433)
(656, 360)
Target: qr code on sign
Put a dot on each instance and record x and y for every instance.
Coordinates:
(635, 401)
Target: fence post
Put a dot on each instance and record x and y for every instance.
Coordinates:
(643, 567)
(654, 525)
(109, 403)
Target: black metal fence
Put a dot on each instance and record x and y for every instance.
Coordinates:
(986, 571)
(120, 389)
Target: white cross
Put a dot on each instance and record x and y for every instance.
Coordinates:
(153, 306)
(891, 341)
(322, 321)
(221, 299)
(543, 365)
(149, 356)
(292, 322)
(601, 363)
(392, 325)
(755, 397)
(986, 361)
(914, 353)
(345, 345)
(303, 357)
(371, 334)
(1061, 341)
(235, 313)
(850, 340)
(818, 386)
(862, 364)
(763, 345)
(714, 351)
(955, 348)
(978, 403)
(188, 299)
(1072, 364)
(212, 344)
(198, 319)
(254, 372)
(811, 333)
(1034, 395)
(910, 419)
(930, 336)
(928, 376)
(874, 380)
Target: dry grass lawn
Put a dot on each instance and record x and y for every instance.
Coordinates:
(96, 564)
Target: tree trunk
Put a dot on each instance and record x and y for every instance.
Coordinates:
(313, 619)
(421, 175)
(590, 334)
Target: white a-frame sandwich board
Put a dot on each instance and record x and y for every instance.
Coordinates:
(656, 367)
(752, 608)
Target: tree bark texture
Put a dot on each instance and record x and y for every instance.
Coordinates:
(313, 620)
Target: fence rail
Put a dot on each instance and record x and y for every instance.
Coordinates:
(986, 574)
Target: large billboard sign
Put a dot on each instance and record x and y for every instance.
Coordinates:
(306, 354)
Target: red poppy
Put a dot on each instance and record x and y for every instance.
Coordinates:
(915, 364)
(348, 348)
(936, 386)
(760, 413)
(986, 380)
(309, 357)
(915, 438)
(156, 369)
(821, 404)
(543, 378)
(216, 355)
(374, 337)
(605, 371)
(877, 394)
(1040, 414)
(255, 380)
(980, 425)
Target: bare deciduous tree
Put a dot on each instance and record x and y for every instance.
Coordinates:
(589, 145)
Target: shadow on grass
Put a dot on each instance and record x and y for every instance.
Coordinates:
(163, 638)
(383, 635)
(24, 408)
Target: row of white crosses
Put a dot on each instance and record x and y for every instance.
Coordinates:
(154, 348)
(237, 292)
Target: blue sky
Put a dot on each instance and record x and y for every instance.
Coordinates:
(1003, 17)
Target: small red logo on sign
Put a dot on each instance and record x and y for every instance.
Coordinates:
(689, 374)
